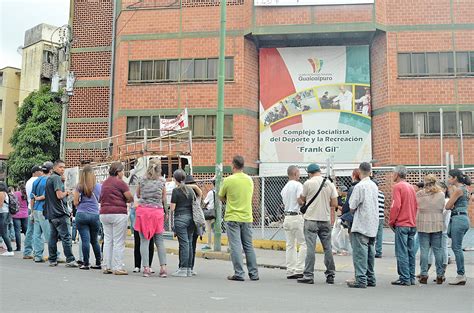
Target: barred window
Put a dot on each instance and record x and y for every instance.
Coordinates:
(429, 123)
(426, 64)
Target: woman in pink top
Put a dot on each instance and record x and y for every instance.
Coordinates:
(20, 220)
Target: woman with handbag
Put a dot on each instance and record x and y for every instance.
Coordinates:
(86, 200)
(189, 181)
(150, 216)
(182, 208)
(459, 223)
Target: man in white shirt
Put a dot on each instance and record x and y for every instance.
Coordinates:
(344, 99)
(209, 205)
(317, 222)
(28, 251)
(293, 224)
(364, 205)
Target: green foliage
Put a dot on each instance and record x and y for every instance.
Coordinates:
(37, 135)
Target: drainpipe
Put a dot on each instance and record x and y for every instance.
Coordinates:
(112, 71)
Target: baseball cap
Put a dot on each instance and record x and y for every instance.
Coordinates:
(313, 168)
(47, 166)
(35, 169)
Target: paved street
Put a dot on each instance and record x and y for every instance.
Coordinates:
(30, 287)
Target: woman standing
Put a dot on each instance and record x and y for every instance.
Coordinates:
(86, 201)
(4, 219)
(198, 232)
(429, 224)
(114, 197)
(20, 220)
(459, 223)
(182, 207)
(150, 216)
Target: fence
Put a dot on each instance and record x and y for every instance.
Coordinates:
(268, 211)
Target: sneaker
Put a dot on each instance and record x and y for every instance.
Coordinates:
(193, 272)
(398, 282)
(180, 272)
(84, 267)
(80, 262)
(353, 284)
(11, 253)
(294, 276)
(378, 256)
(39, 261)
(163, 273)
(53, 264)
(120, 272)
(235, 278)
(72, 264)
(460, 280)
(96, 267)
(330, 280)
(305, 280)
(27, 257)
(146, 272)
(107, 271)
(136, 270)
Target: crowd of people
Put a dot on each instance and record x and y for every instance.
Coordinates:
(426, 218)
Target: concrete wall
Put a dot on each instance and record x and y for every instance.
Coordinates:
(9, 93)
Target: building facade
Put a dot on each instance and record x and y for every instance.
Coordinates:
(161, 57)
(9, 93)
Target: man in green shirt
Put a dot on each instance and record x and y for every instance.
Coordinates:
(237, 192)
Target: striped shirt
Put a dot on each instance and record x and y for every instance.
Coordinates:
(381, 200)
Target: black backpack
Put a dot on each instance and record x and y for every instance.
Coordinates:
(13, 206)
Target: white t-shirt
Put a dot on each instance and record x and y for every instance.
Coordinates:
(29, 189)
(345, 100)
(320, 209)
(209, 201)
(290, 194)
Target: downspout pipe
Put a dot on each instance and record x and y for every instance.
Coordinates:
(112, 70)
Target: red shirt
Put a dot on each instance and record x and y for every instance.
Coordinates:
(112, 198)
(404, 206)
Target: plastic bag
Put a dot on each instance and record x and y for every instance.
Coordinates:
(340, 239)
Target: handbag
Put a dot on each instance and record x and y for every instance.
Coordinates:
(198, 215)
(305, 206)
(210, 214)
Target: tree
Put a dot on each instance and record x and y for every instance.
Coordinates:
(37, 134)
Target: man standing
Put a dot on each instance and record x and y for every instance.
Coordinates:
(58, 215)
(293, 224)
(364, 205)
(403, 222)
(41, 228)
(27, 252)
(344, 99)
(237, 191)
(317, 222)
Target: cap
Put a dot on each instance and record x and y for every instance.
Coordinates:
(313, 168)
(35, 169)
(189, 180)
(47, 166)
(343, 189)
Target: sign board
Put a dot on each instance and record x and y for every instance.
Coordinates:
(308, 2)
(173, 124)
(71, 178)
(315, 105)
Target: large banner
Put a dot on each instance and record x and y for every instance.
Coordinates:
(315, 105)
(308, 2)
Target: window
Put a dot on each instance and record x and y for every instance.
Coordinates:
(179, 70)
(202, 126)
(422, 64)
(430, 123)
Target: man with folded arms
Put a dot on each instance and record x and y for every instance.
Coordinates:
(364, 205)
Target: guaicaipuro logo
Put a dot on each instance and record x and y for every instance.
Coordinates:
(317, 64)
(316, 74)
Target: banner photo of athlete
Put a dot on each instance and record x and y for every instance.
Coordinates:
(315, 105)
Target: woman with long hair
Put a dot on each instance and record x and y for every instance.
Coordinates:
(114, 197)
(182, 208)
(20, 219)
(429, 224)
(4, 219)
(459, 223)
(86, 201)
(150, 216)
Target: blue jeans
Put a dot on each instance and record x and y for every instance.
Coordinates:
(433, 241)
(379, 239)
(41, 229)
(184, 228)
(240, 236)
(458, 227)
(28, 251)
(4, 230)
(74, 229)
(88, 226)
(405, 252)
(363, 257)
(21, 226)
(60, 231)
(132, 220)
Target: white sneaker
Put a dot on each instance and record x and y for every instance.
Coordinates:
(11, 253)
(459, 280)
(136, 270)
(181, 272)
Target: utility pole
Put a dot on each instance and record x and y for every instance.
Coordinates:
(220, 128)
